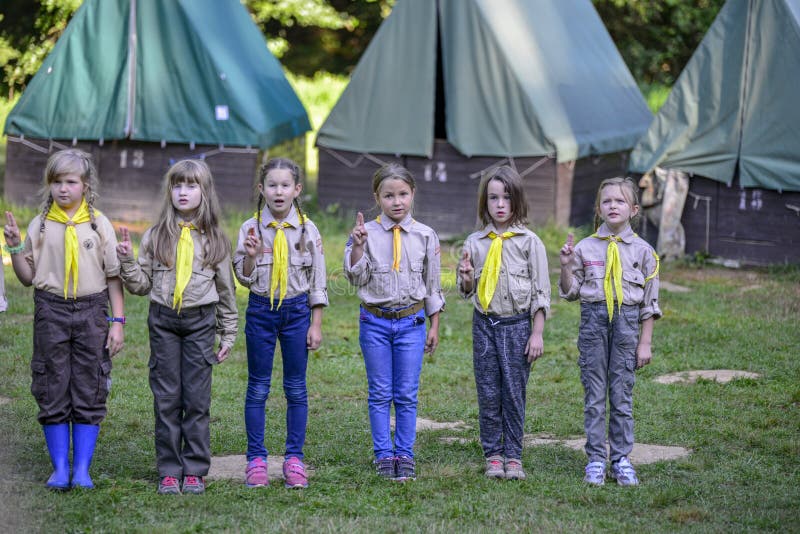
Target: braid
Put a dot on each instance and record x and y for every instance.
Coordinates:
(258, 217)
(45, 211)
(90, 205)
(302, 218)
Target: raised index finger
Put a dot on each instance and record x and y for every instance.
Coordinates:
(360, 219)
(10, 219)
(123, 230)
(570, 239)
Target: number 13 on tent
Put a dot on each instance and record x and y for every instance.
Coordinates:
(137, 159)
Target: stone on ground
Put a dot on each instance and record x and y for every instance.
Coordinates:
(722, 376)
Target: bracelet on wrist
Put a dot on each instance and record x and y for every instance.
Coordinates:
(15, 250)
(120, 320)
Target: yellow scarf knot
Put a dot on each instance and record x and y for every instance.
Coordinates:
(55, 213)
(184, 259)
(280, 263)
(491, 268)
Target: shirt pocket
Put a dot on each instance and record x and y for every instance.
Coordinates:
(519, 285)
(200, 287)
(415, 278)
(163, 280)
(262, 274)
(632, 286)
(381, 281)
(300, 271)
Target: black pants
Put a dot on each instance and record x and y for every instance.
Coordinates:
(71, 367)
(181, 359)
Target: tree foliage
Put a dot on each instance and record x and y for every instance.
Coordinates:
(656, 37)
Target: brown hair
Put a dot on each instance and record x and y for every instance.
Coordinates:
(297, 176)
(166, 232)
(69, 161)
(512, 183)
(629, 190)
(392, 171)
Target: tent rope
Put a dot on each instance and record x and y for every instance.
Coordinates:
(352, 165)
(28, 144)
(538, 163)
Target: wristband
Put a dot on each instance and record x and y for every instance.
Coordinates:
(120, 320)
(15, 250)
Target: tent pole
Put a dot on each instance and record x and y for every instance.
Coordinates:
(132, 39)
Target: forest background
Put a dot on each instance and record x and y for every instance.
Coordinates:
(319, 42)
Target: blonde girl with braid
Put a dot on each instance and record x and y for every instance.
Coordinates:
(68, 257)
(280, 258)
(184, 266)
(503, 270)
(614, 274)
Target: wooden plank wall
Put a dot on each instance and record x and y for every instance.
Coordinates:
(754, 226)
(131, 175)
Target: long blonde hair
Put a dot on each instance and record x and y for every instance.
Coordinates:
(61, 163)
(166, 232)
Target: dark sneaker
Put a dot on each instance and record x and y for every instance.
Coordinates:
(294, 472)
(514, 470)
(385, 467)
(193, 484)
(624, 473)
(404, 468)
(255, 476)
(595, 473)
(169, 486)
(494, 467)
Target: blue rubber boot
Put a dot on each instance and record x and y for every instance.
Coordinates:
(57, 439)
(84, 438)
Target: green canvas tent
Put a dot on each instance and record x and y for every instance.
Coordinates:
(130, 73)
(462, 85)
(732, 122)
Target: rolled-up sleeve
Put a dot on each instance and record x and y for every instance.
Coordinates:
(318, 284)
(540, 292)
(649, 307)
(227, 312)
(434, 298)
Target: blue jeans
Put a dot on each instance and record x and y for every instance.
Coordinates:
(289, 325)
(393, 350)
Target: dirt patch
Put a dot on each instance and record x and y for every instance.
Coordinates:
(232, 467)
(722, 376)
(672, 288)
(752, 287)
(428, 424)
(4, 400)
(642, 453)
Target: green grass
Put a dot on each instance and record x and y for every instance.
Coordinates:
(742, 474)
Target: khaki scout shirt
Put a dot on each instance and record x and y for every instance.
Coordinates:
(207, 285)
(306, 260)
(524, 281)
(3, 301)
(419, 276)
(638, 262)
(97, 256)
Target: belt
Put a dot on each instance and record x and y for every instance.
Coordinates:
(393, 314)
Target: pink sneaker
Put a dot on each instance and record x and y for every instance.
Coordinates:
(294, 470)
(255, 476)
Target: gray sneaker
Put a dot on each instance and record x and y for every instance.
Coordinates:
(595, 473)
(169, 486)
(405, 468)
(624, 473)
(385, 467)
(194, 485)
(514, 469)
(494, 467)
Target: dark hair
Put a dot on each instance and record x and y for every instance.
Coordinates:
(297, 176)
(70, 161)
(512, 183)
(629, 190)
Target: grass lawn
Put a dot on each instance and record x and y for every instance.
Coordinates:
(743, 472)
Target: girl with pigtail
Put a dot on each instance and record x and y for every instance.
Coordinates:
(69, 257)
(279, 256)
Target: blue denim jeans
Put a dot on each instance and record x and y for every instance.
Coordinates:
(393, 350)
(264, 327)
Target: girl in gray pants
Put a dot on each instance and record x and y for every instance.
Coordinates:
(503, 270)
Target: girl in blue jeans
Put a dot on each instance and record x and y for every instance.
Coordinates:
(394, 262)
(279, 257)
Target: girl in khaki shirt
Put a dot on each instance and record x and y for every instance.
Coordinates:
(68, 256)
(185, 268)
(503, 270)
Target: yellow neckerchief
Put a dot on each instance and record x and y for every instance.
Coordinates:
(612, 282)
(55, 213)
(397, 244)
(491, 268)
(280, 255)
(184, 259)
